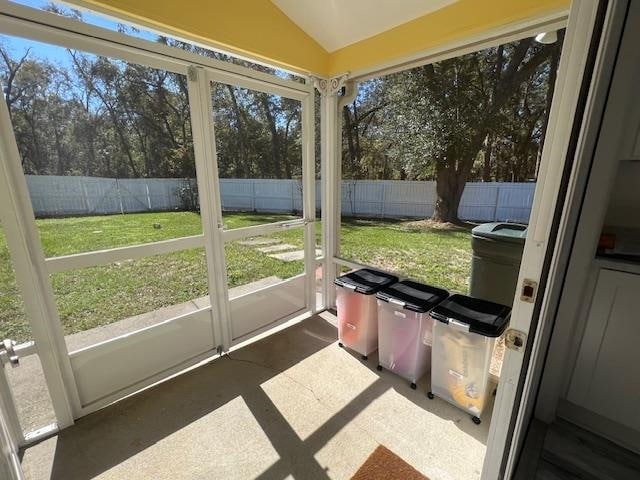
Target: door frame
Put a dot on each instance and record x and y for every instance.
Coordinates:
(591, 43)
(203, 126)
(609, 134)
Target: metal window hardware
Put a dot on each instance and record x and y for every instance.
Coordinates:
(529, 290)
(515, 340)
(7, 353)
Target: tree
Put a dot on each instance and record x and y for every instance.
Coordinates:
(455, 120)
(466, 97)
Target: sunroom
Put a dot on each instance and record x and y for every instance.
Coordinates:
(182, 183)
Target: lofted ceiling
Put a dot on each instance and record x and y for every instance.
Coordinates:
(331, 37)
(335, 24)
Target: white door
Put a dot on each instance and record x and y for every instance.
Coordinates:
(263, 208)
(542, 259)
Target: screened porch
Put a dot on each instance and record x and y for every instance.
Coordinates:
(179, 195)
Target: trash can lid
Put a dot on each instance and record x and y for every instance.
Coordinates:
(483, 317)
(506, 232)
(414, 296)
(365, 281)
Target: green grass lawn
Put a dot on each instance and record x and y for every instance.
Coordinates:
(438, 256)
(95, 296)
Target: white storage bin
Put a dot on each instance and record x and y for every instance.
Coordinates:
(404, 328)
(464, 333)
(357, 309)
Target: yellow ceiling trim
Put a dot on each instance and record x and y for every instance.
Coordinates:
(258, 29)
(464, 18)
(252, 28)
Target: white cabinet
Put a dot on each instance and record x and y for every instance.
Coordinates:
(606, 379)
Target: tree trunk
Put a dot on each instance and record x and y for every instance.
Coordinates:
(241, 165)
(276, 164)
(449, 188)
(351, 145)
(452, 176)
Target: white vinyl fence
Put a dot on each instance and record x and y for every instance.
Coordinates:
(61, 196)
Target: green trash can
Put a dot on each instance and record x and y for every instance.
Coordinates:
(497, 253)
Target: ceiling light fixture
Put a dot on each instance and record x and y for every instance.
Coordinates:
(547, 38)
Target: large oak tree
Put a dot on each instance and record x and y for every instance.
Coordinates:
(437, 121)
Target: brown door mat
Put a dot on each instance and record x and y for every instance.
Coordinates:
(383, 464)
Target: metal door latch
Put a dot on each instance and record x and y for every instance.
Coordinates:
(8, 354)
(515, 339)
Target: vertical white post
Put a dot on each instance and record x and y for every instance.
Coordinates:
(308, 198)
(85, 195)
(204, 146)
(119, 197)
(146, 188)
(32, 277)
(253, 195)
(330, 173)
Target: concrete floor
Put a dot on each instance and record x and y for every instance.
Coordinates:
(293, 405)
(27, 382)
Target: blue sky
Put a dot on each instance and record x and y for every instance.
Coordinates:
(17, 46)
(58, 55)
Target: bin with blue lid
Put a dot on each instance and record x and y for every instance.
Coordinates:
(357, 309)
(464, 333)
(405, 327)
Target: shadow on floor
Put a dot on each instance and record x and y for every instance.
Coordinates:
(115, 435)
(108, 437)
(419, 397)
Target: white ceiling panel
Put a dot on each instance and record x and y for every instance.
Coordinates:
(337, 23)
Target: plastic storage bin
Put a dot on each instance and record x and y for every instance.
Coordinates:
(357, 309)
(404, 327)
(464, 333)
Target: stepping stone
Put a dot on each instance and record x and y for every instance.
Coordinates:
(277, 248)
(291, 256)
(259, 241)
